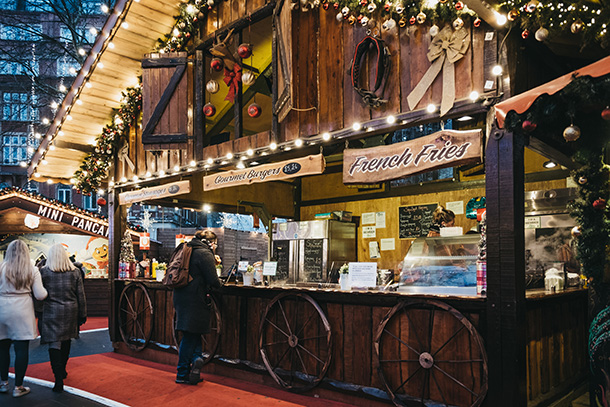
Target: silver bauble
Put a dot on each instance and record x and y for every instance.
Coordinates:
(212, 86)
(339, 16)
(421, 18)
(371, 7)
(433, 30)
(571, 133)
(364, 21)
(399, 9)
(388, 24)
(458, 23)
(541, 34)
(248, 78)
(345, 11)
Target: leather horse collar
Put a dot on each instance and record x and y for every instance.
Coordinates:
(382, 68)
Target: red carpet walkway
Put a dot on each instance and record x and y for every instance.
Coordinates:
(141, 383)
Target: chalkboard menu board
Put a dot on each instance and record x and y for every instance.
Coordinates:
(415, 220)
(280, 253)
(313, 254)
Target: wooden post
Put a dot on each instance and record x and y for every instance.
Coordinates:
(504, 176)
(199, 99)
(238, 105)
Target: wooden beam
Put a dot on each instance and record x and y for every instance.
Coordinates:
(551, 153)
(85, 148)
(199, 96)
(506, 318)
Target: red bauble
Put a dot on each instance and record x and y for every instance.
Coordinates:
(459, 5)
(101, 201)
(412, 20)
(606, 113)
(217, 64)
(244, 50)
(477, 22)
(336, 6)
(525, 34)
(254, 110)
(325, 6)
(209, 110)
(599, 204)
(528, 126)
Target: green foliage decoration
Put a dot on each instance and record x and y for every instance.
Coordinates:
(94, 169)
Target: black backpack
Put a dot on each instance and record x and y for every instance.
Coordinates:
(177, 273)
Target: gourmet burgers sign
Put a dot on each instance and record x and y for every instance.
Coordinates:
(313, 164)
(446, 148)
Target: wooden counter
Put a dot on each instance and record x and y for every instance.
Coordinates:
(556, 335)
(97, 293)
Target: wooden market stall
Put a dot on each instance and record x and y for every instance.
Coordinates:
(335, 127)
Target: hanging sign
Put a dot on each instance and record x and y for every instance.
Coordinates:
(313, 164)
(144, 241)
(446, 148)
(161, 191)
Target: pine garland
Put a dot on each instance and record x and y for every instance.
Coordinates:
(94, 169)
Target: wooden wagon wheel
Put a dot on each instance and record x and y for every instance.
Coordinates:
(209, 341)
(427, 351)
(295, 341)
(135, 316)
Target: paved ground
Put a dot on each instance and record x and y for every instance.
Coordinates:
(41, 395)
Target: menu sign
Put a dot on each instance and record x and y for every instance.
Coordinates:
(312, 258)
(161, 191)
(313, 164)
(446, 148)
(415, 220)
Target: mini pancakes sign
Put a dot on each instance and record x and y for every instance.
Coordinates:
(446, 148)
(310, 165)
(161, 191)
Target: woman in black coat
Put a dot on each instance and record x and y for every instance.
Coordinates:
(192, 306)
(63, 311)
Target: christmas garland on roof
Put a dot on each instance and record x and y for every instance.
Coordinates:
(71, 207)
(94, 169)
(583, 19)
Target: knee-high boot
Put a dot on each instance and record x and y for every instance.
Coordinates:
(65, 355)
(57, 366)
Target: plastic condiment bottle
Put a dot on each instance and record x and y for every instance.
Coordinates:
(154, 268)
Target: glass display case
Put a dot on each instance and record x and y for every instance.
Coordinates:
(441, 265)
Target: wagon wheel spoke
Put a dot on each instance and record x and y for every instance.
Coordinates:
(302, 363)
(439, 388)
(145, 309)
(274, 343)
(449, 340)
(430, 328)
(413, 329)
(277, 327)
(423, 387)
(407, 379)
(312, 355)
(312, 337)
(282, 358)
(305, 324)
(459, 361)
(456, 381)
(285, 320)
(296, 317)
(399, 360)
(401, 341)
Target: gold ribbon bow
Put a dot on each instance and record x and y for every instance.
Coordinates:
(123, 154)
(447, 47)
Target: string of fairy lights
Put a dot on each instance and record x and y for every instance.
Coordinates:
(581, 18)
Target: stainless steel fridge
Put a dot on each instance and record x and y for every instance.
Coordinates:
(310, 252)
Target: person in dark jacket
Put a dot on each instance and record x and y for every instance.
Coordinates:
(63, 311)
(192, 306)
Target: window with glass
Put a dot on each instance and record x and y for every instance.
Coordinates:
(83, 32)
(412, 133)
(8, 4)
(64, 194)
(14, 149)
(19, 67)
(38, 5)
(31, 32)
(18, 107)
(92, 7)
(89, 202)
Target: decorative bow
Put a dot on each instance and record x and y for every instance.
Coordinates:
(447, 47)
(123, 155)
(232, 79)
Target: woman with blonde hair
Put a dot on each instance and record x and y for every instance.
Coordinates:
(19, 279)
(63, 311)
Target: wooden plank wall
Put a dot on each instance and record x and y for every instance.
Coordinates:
(333, 44)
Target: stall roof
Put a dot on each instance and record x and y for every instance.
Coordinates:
(523, 101)
(113, 64)
(26, 212)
